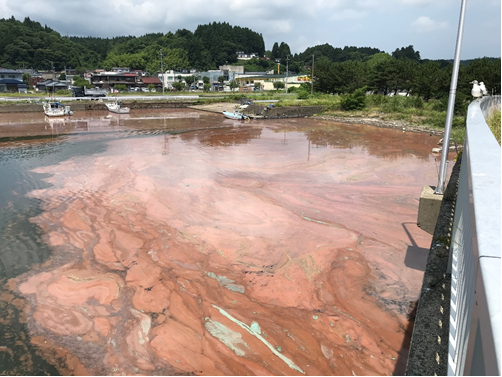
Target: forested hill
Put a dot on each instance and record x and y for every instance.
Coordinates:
(29, 44)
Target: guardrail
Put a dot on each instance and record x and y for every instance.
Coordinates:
(475, 304)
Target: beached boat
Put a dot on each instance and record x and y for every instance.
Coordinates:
(235, 115)
(56, 109)
(116, 107)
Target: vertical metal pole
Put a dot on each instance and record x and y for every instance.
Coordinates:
(287, 72)
(162, 69)
(312, 79)
(451, 105)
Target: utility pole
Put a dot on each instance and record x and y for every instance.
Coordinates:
(312, 78)
(278, 61)
(162, 69)
(287, 72)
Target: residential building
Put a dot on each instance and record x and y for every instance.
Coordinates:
(155, 81)
(13, 86)
(266, 80)
(108, 80)
(51, 86)
(246, 56)
(11, 74)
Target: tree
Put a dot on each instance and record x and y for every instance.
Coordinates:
(207, 86)
(62, 76)
(233, 84)
(27, 78)
(178, 86)
(120, 87)
(406, 53)
(206, 80)
(275, 51)
(79, 81)
(257, 85)
(150, 87)
(278, 85)
(189, 80)
(354, 101)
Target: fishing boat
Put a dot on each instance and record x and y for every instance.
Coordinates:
(235, 115)
(56, 109)
(116, 107)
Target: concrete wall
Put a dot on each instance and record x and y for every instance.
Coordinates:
(282, 112)
(96, 105)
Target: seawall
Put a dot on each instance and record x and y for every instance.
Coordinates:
(96, 105)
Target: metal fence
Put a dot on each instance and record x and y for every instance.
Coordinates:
(475, 313)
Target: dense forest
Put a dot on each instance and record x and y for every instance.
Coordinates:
(28, 44)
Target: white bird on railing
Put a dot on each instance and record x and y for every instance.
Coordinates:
(483, 88)
(476, 90)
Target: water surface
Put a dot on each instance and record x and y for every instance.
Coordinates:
(181, 242)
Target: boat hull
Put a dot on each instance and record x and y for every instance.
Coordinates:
(235, 115)
(117, 109)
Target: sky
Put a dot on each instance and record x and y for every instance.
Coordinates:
(431, 26)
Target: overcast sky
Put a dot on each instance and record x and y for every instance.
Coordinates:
(429, 25)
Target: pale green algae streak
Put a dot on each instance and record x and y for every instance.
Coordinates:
(228, 337)
(256, 331)
(227, 283)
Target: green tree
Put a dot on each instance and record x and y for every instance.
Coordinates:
(179, 86)
(121, 87)
(278, 85)
(207, 86)
(189, 80)
(206, 80)
(233, 85)
(150, 87)
(27, 78)
(354, 101)
(79, 81)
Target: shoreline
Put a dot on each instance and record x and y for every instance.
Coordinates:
(219, 107)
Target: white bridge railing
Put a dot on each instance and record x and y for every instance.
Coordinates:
(475, 312)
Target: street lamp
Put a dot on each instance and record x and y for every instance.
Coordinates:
(287, 72)
(312, 79)
(162, 69)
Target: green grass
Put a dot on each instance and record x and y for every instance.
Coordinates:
(494, 124)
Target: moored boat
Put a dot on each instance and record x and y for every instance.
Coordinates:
(116, 107)
(56, 109)
(235, 115)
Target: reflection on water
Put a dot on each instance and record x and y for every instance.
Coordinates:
(166, 242)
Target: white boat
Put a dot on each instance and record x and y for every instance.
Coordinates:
(56, 109)
(116, 107)
(235, 115)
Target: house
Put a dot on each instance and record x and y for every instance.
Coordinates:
(246, 56)
(13, 86)
(50, 86)
(266, 80)
(155, 81)
(11, 74)
(108, 80)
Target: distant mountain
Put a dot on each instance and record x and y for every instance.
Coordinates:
(28, 44)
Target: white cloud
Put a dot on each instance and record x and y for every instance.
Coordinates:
(425, 24)
(299, 23)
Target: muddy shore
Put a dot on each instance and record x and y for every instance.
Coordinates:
(229, 106)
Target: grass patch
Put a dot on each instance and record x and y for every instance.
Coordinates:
(494, 124)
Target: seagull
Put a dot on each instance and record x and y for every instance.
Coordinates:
(483, 88)
(476, 90)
